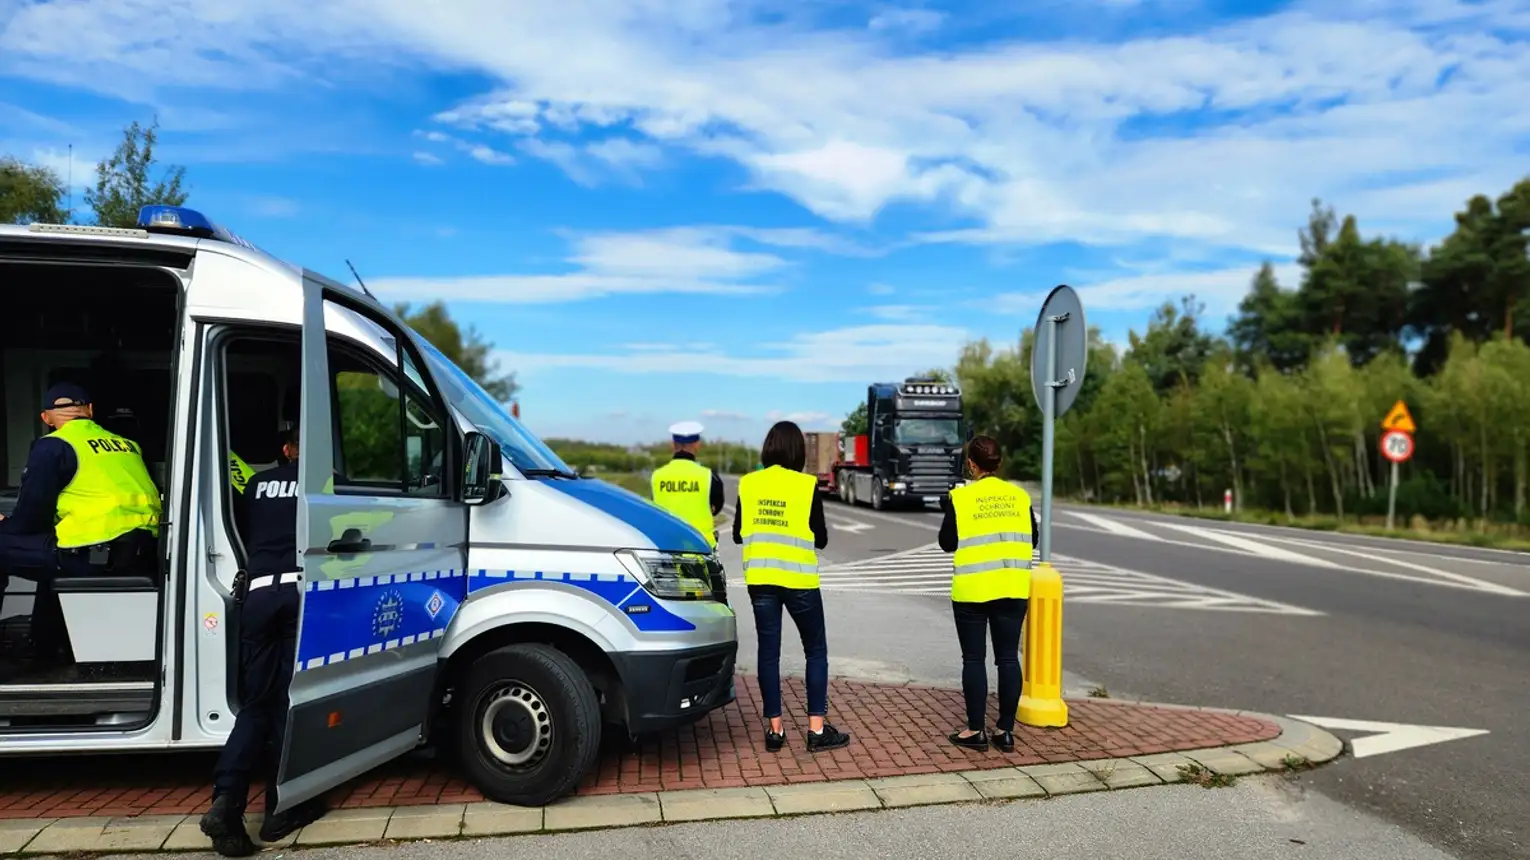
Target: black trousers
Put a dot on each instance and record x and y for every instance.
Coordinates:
(1000, 620)
(267, 647)
(32, 557)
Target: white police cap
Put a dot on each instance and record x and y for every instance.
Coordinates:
(685, 432)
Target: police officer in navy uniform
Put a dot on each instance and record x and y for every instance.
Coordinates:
(87, 507)
(267, 592)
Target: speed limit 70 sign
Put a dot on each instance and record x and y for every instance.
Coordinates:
(1396, 446)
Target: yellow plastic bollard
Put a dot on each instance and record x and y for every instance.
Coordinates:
(1041, 701)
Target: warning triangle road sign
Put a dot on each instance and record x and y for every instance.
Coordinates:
(1398, 419)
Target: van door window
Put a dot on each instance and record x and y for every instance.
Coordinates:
(389, 437)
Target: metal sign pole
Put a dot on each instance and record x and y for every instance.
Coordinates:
(1048, 431)
(1392, 497)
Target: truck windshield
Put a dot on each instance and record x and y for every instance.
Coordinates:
(928, 431)
(521, 448)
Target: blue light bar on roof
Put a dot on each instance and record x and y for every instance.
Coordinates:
(178, 220)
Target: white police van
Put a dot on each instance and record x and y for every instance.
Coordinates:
(461, 586)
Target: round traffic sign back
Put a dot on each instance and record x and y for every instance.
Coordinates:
(1396, 446)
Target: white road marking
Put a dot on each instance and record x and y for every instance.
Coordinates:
(851, 526)
(1112, 526)
(1250, 546)
(1393, 736)
(926, 570)
(917, 521)
(1480, 584)
(1255, 549)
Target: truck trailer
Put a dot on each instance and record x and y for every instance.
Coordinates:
(911, 453)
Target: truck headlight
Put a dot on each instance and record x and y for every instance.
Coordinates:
(672, 575)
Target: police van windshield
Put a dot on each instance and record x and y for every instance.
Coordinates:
(521, 448)
(927, 431)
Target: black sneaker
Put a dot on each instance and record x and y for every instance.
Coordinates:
(828, 739)
(775, 740)
(977, 742)
(223, 823)
(283, 824)
(1005, 741)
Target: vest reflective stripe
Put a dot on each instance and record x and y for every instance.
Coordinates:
(993, 542)
(111, 492)
(774, 506)
(672, 483)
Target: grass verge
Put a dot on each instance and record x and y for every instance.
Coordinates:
(628, 481)
(1459, 532)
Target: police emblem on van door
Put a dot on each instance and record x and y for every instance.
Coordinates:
(434, 604)
(389, 614)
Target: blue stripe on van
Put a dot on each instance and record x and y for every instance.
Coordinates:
(348, 618)
(663, 529)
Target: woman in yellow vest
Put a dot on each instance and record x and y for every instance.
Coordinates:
(989, 526)
(779, 522)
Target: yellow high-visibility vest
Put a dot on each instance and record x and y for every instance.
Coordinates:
(239, 472)
(993, 542)
(684, 488)
(774, 506)
(111, 492)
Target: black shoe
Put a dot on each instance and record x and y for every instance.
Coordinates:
(1005, 741)
(828, 739)
(283, 824)
(222, 818)
(977, 742)
(223, 823)
(775, 740)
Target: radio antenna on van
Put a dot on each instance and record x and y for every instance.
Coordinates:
(359, 280)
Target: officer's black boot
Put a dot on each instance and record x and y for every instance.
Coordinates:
(223, 823)
(280, 825)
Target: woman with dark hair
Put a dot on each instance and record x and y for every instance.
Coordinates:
(779, 522)
(990, 527)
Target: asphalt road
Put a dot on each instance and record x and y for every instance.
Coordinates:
(1286, 621)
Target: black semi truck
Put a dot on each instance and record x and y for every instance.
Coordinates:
(912, 451)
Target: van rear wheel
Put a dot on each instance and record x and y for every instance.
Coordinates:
(528, 726)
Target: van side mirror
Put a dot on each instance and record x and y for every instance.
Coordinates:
(481, 475)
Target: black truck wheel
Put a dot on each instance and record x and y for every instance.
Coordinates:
(878, 495)
(527, 724)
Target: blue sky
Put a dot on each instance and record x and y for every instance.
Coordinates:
(737, 210)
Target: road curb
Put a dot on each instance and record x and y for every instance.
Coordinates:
(1299, 746)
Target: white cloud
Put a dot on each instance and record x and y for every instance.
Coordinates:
(678, 260)
(78, 165)
(899, 313)
(1219, 290)
(881, 289)
(489, 155)
(805, 420)
(854, 354)
(428, 159)
(1215, 136)
(912, 20)
(723, 415)
(267, 206)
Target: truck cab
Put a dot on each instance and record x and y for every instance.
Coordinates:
(461, 586)
(912, 451)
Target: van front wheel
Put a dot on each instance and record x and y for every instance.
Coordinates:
(528, 725)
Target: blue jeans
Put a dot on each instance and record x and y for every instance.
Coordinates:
(805, 605)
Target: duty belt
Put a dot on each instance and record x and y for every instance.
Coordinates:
(274, 579)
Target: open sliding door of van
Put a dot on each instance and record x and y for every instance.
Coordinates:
(383, 546)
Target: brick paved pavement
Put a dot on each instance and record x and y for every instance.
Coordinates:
(896, 730)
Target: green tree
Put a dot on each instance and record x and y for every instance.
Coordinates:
(466, 348)
(856, 423)
(29, 193)
(125, 182)
(1267, 328)
(1174, 349)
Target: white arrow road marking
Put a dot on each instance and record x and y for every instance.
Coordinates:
(851, 526)
(1479, 584)
(1392, 737)
(1113, 526)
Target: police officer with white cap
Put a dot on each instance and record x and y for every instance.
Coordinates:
(686, 488)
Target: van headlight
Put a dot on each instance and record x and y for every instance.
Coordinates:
(672, 575)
